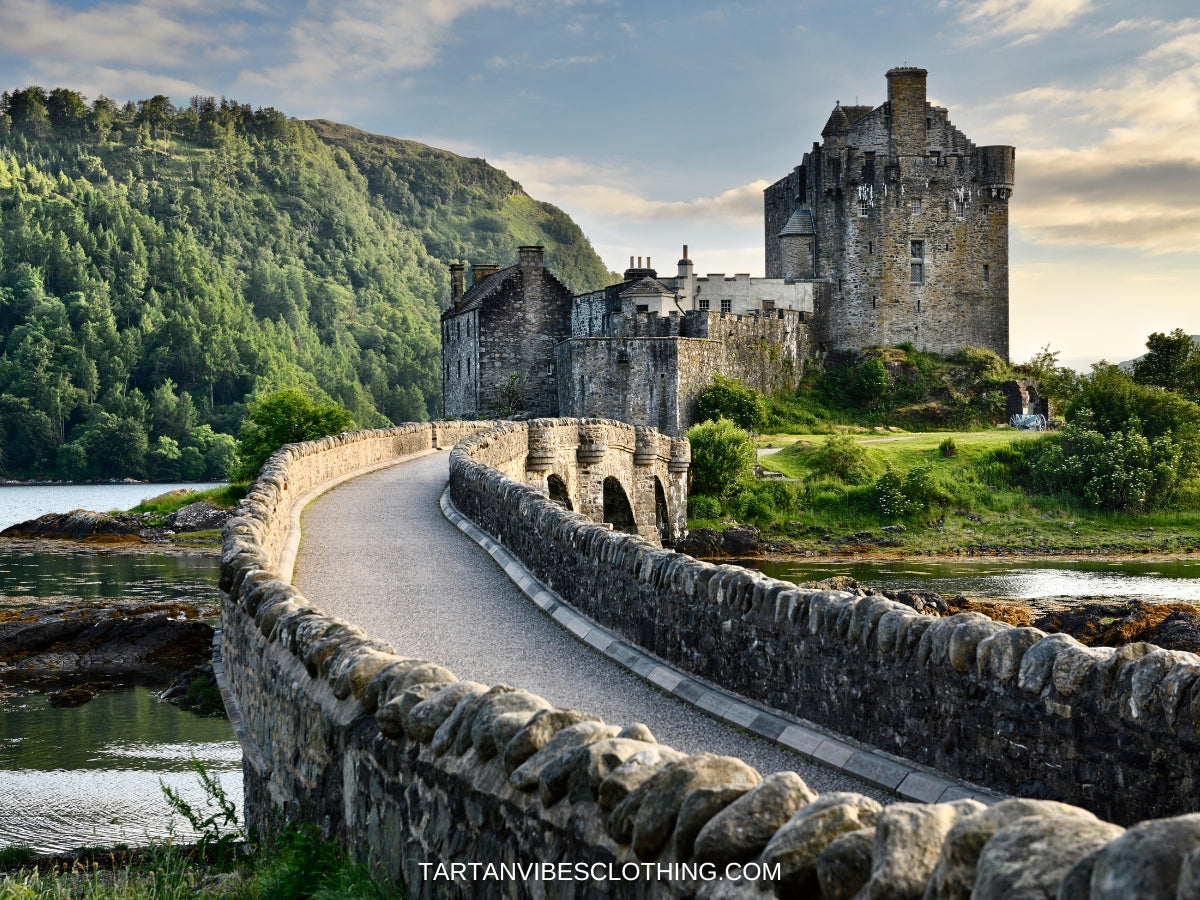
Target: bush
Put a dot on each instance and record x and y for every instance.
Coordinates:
(1124, 470)
(843, 457)
(727, 398)
(948, 448)
(701, 506)
(722, 456)
(897, 494)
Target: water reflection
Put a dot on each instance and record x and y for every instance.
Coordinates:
(90, 775)
(72, 573)
(1158, 579)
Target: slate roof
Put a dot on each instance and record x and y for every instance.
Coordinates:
(801, 222)
(837, 124)
(854, 113)
(477, 294)
(647, 287)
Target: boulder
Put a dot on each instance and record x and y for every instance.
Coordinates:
(698, 807)
(741, 830)
(844, 866)
(1028, 859)
(537, 732)
(528, 775)
(908, 840)
(1146, 861)
(798, 844)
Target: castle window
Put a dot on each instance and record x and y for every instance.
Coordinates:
(643, 307)
(960, 209)
(549, 368)
(916, 206)
(703, 304)
(468, 368)
(768, 305)
(864, 206)
(917, 274)
(987, 210)
(916, 249)
(459, 369)
(726, 305)
(986, 274)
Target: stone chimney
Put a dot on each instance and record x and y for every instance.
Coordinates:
(456, 281)
(906, 105)
(480, 271)
(532, 257)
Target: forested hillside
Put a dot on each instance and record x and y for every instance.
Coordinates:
(161, 265)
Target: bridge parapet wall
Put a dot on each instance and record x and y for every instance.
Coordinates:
(1011, 708)
(413, 767)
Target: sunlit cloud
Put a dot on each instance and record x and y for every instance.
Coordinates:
(1021, 19)
(1114, 162)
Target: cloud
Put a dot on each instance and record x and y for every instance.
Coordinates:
(525, 61)
(1020, 19)
(360, 40)
(1114, 162)
(607, 190)
(151, 33)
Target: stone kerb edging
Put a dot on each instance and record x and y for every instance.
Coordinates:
(1011, 708)
(414, 767)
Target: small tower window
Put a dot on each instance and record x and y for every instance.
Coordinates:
(459, 369)
(916, 206)
(917, 274)
(864, 207)
(960, 209)
(703, 304)
(916, 252)
(987, 275)
(916, 249)
(726, 305)
(549, 368)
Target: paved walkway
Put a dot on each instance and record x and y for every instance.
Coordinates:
(378, 552)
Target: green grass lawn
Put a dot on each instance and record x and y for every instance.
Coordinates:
(971, 515)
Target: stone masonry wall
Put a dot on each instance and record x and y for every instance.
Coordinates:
(416, 770)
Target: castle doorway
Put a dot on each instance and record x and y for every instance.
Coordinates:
(617, 511)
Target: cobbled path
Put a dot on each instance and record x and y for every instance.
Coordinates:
(378, 552)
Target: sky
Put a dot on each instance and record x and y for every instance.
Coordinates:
(657, 123)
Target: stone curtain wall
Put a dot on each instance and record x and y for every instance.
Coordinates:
(462, 790)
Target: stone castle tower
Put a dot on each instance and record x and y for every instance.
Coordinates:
(907, 222)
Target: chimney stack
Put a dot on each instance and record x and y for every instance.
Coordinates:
(456, 281)
(532, 257)
(480, 271)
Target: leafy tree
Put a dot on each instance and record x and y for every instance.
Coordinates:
(1172, 362)
(286, 417)
(722, 456)
(728, 398)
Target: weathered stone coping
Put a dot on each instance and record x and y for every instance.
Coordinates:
(909, 781)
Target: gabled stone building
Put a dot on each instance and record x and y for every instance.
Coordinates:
(893, 229)
(498, 339)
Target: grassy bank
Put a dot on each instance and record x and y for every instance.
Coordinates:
(826, 500)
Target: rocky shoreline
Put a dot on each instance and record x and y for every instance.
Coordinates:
(88, 527)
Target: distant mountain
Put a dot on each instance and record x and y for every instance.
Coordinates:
(160, 264)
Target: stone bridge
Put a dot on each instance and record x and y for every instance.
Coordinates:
(418, 770)
(632, 478)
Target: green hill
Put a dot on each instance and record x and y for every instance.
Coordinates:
(160, 265)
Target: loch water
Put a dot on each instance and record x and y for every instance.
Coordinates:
(93, 775)
(1018, 579)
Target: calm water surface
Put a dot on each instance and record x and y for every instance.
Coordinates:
(19, 503)
(1161, 580)
(91, 775)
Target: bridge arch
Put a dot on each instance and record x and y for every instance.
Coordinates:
(617, 510)
(556, 486)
